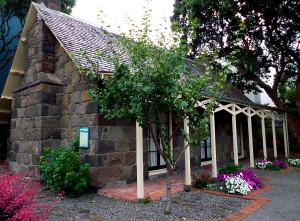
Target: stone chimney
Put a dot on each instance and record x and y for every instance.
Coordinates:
(52, 4)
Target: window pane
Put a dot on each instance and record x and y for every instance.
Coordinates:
(162, 162)
(202, 153)
(208, 141)
(202, 144)
(209, 152)
(152, 159)
(152, 145)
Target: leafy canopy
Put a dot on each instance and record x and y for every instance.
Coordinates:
(259, 34)
(261, 37)
(154, 78)
(150, 80)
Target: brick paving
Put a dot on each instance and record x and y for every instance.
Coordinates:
(152, 188)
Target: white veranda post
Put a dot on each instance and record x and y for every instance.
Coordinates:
(263, 130)
(234, 136)
(274, 136)
(284, 128)
(139, 161)
(250, 137)
(187, 156)
(213, 145)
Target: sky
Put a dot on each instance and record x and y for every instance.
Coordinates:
(116, 13)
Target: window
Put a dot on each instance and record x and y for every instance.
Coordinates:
(205, 147)
(154, 159)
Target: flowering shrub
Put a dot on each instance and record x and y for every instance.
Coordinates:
(264, 164)
(201, 180)
(294, 162)
(246, 174)
(237, 185)
(239, 181)
(252, 179)
(217, 186)
(268, 165)
(19, 199)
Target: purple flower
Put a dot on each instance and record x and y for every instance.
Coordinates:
(280, 164)
(247, 174)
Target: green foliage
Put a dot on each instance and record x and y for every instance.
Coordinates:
(257, 35)
(288, 95)
(67, 5)
(217, 186)
(236, 28)
(145, 200)
(61, 170)
(75, 144)
(187, 188)
(152, 79)
(230, 169)
(202, 180)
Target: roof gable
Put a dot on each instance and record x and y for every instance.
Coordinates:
(75, 35)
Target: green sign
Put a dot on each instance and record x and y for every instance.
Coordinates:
(84, 137)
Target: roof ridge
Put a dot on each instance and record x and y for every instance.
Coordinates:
(44, 7)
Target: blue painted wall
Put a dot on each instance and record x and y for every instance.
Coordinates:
(15, 28)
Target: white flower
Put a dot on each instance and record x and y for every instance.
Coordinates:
(294, 162)
(237, 185)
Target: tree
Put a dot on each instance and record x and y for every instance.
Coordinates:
(12, 18)
(67, 5)
(149, 81)
(259, 35)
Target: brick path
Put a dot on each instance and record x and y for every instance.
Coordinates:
(153, 188)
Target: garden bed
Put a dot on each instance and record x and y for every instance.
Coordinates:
(232, 179)
(272, 165)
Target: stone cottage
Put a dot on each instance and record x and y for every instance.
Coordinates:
(50, 103)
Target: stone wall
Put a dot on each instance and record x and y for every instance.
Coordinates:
(51, 104)
(35, 120)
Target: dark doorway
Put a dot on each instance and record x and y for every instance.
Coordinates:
(4, 130)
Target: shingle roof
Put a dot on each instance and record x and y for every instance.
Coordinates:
(75, 35)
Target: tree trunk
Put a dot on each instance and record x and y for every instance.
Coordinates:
(294, 126)
(298, 94)
(167, 209)
(293, 121)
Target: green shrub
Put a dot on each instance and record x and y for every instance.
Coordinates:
(145, 200)
(61, 170)
(201, 180)
(187, 188)
(231, 168)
